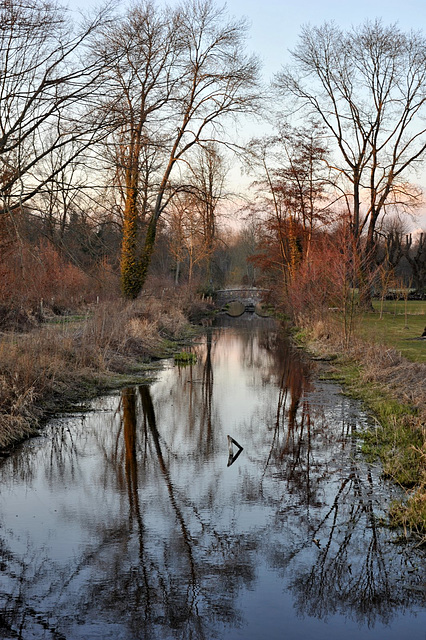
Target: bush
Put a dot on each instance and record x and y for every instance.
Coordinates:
(40, 279)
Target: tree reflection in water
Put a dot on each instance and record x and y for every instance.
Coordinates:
(145, 532)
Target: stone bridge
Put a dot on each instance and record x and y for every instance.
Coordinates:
(236, 301)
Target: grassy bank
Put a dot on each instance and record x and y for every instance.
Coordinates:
(397, 325)
(64, 361)
(386, 369)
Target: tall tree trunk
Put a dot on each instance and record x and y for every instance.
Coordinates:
(130, 272)
(366, 266)
(142, 264)
(145, 259)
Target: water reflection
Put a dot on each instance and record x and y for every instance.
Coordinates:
(128, 522)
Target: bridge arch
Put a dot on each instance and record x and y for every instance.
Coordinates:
(237, 300)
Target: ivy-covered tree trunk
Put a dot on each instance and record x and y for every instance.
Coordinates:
(131, 283)
(145, 259)
(134, 262)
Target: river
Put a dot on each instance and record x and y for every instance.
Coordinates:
(140, 519)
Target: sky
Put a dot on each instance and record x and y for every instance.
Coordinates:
(276, 25)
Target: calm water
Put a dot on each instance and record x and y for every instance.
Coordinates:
(135, 521)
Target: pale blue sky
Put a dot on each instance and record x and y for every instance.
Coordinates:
(275, 24)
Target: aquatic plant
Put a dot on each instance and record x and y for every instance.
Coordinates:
(185, 358)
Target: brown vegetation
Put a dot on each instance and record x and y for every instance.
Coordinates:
(59, 363)
(37, 279)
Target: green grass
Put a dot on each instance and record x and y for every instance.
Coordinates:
(395, 329)
(414, 307)
(185, 358)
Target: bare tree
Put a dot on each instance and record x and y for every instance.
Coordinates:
(206, 176)
(141, 57)
(46, 82)
(185, 70)
(300, 179)
(367, 86)
(192, 213)
(416, 258)
(187, 240)
(64, 183)
(291, 189)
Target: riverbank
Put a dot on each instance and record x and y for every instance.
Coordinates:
(134, 518)
(393, 389)
(67, 360)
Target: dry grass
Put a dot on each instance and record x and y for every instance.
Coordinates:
(56, 363)
(403, 379)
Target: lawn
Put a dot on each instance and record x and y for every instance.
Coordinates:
(398, 328)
